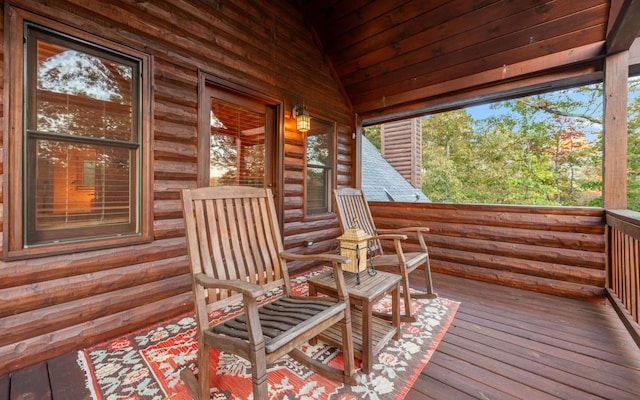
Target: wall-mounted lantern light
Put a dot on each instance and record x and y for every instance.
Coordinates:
(303, 120)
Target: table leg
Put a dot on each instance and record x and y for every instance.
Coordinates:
(366, 337)
(395, 311)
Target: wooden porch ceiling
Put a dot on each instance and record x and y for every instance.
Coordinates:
(400, 58)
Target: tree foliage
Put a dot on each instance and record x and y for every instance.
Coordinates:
(633, 154)
(544, 149)
(373, 134)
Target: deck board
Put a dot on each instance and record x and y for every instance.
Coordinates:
(31, 383)
(67, 379)
(503, 344)
(506, 342)
(427, 387)
(559, 383)
(500, 376)
(560, 361)
(4, 387)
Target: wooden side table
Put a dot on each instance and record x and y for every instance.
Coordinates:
(370, 333)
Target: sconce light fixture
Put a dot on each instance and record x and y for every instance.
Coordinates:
(303, 120)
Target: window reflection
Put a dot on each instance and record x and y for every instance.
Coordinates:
(82, 140)
(237, 146)
(319, 162)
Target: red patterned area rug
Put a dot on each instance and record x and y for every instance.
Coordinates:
(146, 364)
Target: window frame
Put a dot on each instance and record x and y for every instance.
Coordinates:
(14, 136)
(332, 171)
(233, 92)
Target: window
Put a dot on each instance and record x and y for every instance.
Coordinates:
(237, 148)
(319, 167)
(236, 136)
(82, 148)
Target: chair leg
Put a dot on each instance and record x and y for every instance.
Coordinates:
(203, 370)
(427, 275)
(347, 352)
(406, 295)
(259, 372)
(191, 382)
(406, 298)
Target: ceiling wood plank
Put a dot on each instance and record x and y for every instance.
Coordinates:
(326, 16)
(405, 21)
(445, 68)
(483, 41)
(422, 30)
(395, 53)
(358, 22)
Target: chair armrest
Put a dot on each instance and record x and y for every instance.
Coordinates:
(419, 231)
(335, 260)
(411, 229)
(389, 237)
(252, 290)
(315, 257)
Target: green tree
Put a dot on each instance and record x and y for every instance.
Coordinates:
(543, 149)
(446, 141)
(633, 144)
(558, 134)
(373, 134)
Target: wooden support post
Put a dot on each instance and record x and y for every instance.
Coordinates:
(614, 191)
(356, 142)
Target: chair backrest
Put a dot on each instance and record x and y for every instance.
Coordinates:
(353, 212)
(232, 233)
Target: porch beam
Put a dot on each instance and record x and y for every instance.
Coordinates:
(554, 80)
(623, 25)
(357, 152)
(513, 72)
(634, 56)
(614, 191)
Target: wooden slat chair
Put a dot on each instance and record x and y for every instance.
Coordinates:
(353, 211)
(236, 255)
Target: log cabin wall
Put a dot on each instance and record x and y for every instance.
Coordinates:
(53, 305)
(401, 143)
(553, 250)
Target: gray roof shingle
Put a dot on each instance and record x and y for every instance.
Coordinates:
(381, 182)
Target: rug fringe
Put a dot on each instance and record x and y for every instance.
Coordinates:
(83, 363)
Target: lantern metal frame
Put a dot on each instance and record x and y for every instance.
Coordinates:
(361, 249)
(302, 117)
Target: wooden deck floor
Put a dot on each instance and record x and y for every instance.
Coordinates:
(511, 344)
(503, 344)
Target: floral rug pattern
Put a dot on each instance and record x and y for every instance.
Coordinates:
(145, 365)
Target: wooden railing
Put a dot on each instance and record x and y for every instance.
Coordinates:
(583, 253)
(623, 289)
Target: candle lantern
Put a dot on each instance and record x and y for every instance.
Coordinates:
(353, 244)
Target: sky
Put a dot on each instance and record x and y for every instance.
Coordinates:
(484, 110)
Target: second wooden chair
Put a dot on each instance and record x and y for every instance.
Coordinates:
(353, 212)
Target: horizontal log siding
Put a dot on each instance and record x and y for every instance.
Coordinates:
(52, 305)
(553, 250)
(402, 148)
